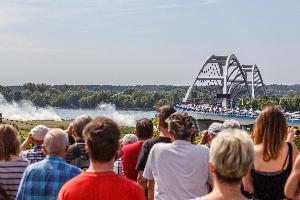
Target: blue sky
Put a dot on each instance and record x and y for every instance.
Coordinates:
(132, 42)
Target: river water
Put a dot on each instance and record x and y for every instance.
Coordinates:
(25, 110)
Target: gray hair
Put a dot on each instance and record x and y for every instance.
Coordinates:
(129, 139)
(231, 153)
(56, 141)
(232, 123)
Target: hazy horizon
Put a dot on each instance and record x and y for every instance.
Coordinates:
(140, 42)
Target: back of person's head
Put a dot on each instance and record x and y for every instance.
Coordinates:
(231, 154)
(102, 137)
(232, 123)
(9, 142)
(163, 114)
(270, 130)
(144, 129)
(56, 141)
(79, 123)
(215, 128)
(38, 132)
(129, 139)
(180, 125)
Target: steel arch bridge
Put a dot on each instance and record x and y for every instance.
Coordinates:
(229, 79)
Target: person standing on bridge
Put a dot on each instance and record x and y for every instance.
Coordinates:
(36, 137)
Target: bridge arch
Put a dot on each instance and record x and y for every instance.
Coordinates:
(228, 78)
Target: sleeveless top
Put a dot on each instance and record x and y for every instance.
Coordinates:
(270, 185)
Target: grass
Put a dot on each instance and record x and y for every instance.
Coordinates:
(25, 126)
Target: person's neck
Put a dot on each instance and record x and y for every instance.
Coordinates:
(100, 166)
(164, 133)
(76, 138)
(62, 154)
(227, 190)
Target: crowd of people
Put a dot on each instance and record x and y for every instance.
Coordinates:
(91, 161)
(232, 112)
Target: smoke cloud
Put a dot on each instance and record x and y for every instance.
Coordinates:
(25, 110)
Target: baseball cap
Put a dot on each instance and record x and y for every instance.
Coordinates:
(215, 128)
(39, 132)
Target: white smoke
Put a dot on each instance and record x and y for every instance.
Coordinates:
(121, 117)
(25, 110)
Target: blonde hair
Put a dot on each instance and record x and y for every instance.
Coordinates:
(231, 153)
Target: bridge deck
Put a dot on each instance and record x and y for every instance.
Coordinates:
(245, 120)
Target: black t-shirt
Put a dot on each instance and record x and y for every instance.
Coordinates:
(73, 152)
(145, 150)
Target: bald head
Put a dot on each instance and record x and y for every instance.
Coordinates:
(56, 141)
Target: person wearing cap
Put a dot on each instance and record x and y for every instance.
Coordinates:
(36, 137)
(180, 169)
(211, 133)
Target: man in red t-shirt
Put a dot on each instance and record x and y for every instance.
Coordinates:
(99, 181)
(144, 131)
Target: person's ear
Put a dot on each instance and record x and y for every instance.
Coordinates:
(212, 168)
(44, 150)
(67, 147)
(172, 135)
(86, 147)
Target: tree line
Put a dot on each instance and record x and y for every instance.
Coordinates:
(145, 97)
(75, 96)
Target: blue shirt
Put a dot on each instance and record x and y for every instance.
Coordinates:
(43, 180)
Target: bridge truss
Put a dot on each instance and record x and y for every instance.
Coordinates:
(229, 79)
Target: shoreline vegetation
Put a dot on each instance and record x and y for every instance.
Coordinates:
(139, 97)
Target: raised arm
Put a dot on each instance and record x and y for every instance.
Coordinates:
(292, 189)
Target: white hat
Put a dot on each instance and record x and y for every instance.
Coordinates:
(39, 132)
(215, 128)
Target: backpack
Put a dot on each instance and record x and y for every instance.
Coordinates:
(82, 159)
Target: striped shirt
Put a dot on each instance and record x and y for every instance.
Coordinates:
(10, 175)
(118, 167)
(34, 155)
